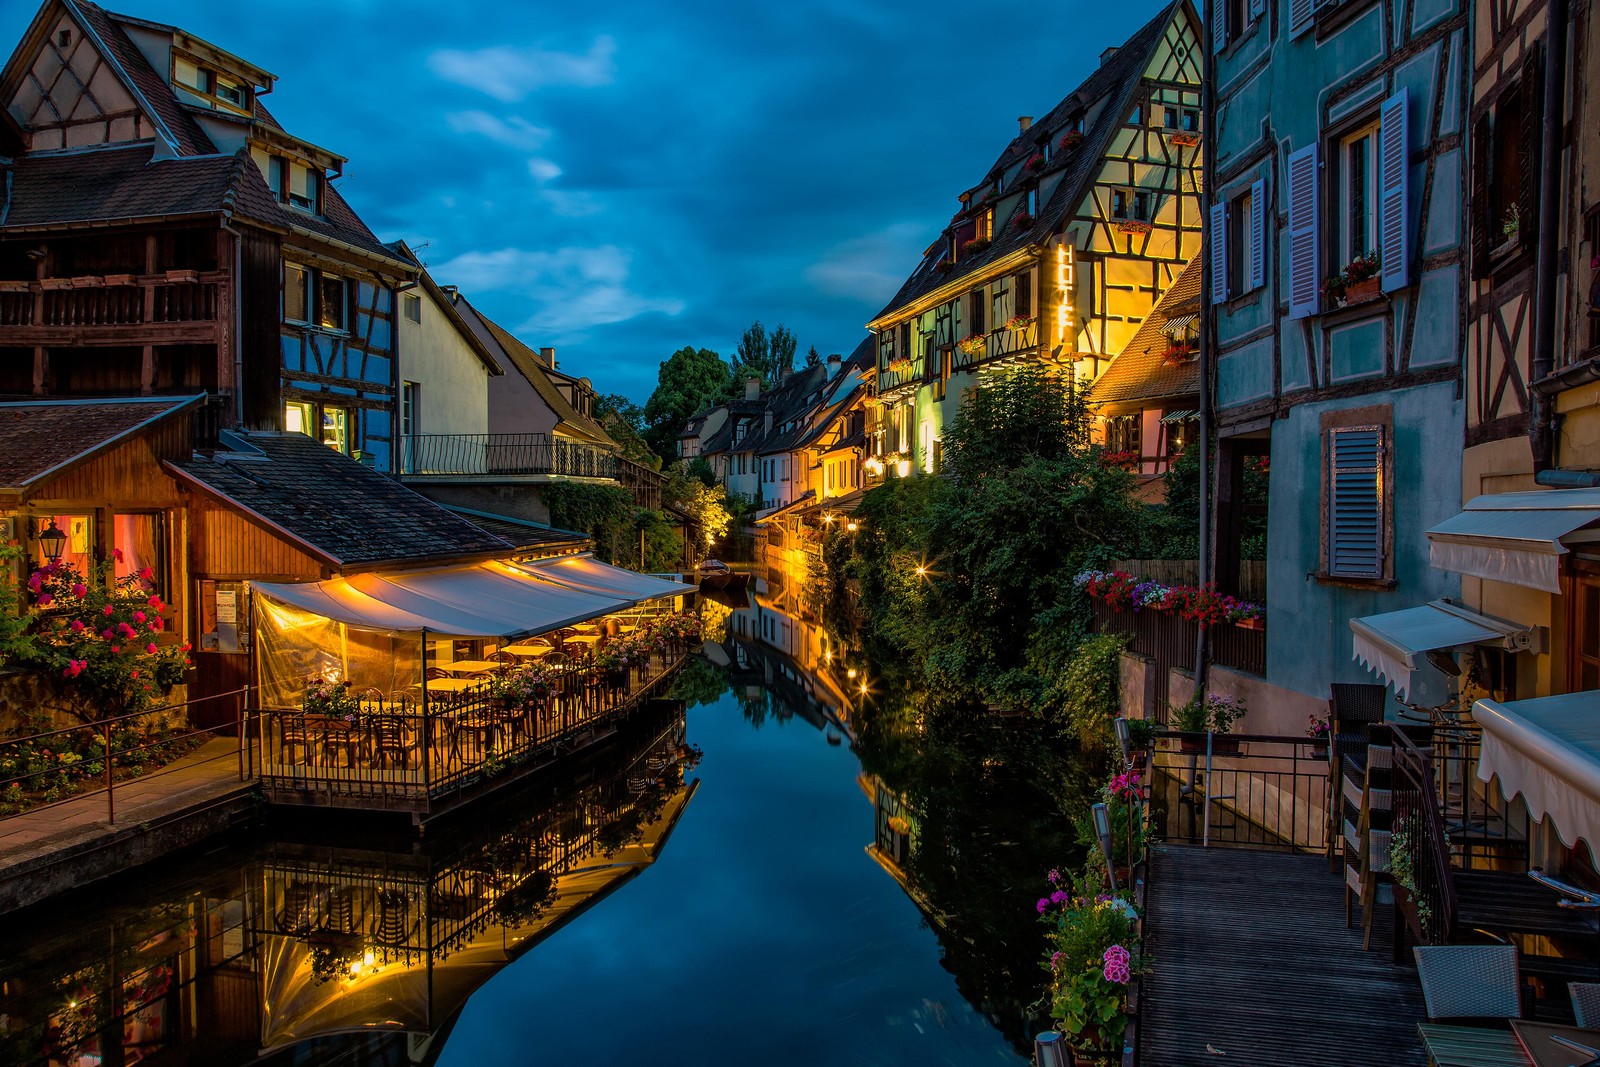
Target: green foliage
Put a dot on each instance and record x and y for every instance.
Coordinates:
(604, 512)
(766, 356)
(813, 357)
(624, 421)
(1090, 689)
(700, 683)
(699, 468)
(660, 542)
(689, 380)
(1085, 925)
(704, 503)
(17, 643)
(1176, 530)
(1214, 713)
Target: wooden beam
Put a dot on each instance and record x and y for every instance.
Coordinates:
(147, 369)
(165, 333)
(41, 369)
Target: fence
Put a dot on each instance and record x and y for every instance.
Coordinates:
(1248, 790)
(1169, 641)
(1252, 574)
(42, 770)
(406, 749)
(485, 454)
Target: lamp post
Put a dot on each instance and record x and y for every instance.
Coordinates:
(1102, 829)
(52, 542)
(1124, 740)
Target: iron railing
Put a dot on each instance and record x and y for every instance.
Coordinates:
(404, 749)
(1242, 790)
(44, 770)
(469, 455)
(1169, 641)
(1423, 849)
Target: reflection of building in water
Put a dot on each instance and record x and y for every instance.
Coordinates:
(775, 645)
(894, 838)
(311, 950)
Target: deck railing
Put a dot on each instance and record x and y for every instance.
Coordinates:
(136, 301)
(404, 750)
(1423, 848)
(1242, 790)
(1169, 640)
(468, 455)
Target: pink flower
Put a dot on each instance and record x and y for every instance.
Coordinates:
(77, 626)
(135, 674)
(146, 573)
(35, 582)
(106, 610)
(116, 648)
(157, 623)
(138, 616)
(150, 648)
(45, 600)
(155, 602)
(186, 646)
(125, 630)
(75, 668)
(106, 633)
(1044, 902)
(79, 589)
(116, 554)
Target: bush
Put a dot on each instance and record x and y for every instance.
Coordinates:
(1091, 689)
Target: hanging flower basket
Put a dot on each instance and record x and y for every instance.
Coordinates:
(974, 246)
(973, 343)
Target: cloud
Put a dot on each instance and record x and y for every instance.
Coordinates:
(872, 267)
(573, 289)
(509, 74)
(512, 132)
(543, 170)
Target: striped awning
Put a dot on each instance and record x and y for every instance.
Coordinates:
(1179, 323)
(1180, 416)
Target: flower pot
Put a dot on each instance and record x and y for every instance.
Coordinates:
(1251, 624)
(1362, 291)
(1319, 750)
(54, 284)
(1221, 745)
(183, 275)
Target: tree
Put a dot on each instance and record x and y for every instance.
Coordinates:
(766, 356)
(813, 357)
(689, 380)
(705, 504)
(624, 421)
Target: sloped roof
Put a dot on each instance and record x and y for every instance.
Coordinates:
(787, 401)
(147, 83)
(447, 304)
(1140, 371)
(40, 439)
(338, 509)
(1115, 78)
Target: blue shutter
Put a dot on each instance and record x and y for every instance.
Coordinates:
(1394, 158)
(1219, 24)
(1219, 253)
(1305, 268)
(1355, 502)
(1258, 234)
(1302, 16)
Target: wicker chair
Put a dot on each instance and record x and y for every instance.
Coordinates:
(1470, 981)
(1585, 1002)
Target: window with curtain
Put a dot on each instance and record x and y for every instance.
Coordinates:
(140, 544)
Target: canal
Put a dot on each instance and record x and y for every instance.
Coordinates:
(798, 859)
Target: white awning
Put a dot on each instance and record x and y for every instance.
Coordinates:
(483, 600)
(1396, 643)
(1516, 537)
(586, 574)
(1548, 750)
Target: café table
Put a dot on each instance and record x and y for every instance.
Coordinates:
(454, 685)
(467, 666)
(583, 639)
(1543, 1050)
(532, 649)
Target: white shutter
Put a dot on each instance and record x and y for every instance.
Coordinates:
(1394, 158)
(1219, 253)
(1219, 25)
(1301, 16)
(1355, 502)
(1258, 234)
(1305, 274)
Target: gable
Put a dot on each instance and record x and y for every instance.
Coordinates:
(1178, 57)
(70, 95)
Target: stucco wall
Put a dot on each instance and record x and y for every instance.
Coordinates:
(1309, 640)
(454, 381)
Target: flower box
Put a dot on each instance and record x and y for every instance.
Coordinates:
(1221, 745)
(183, 275)
(974, 246)
(1022, 220)
(1187, 138)
(1250, 624)
(121, 279)
(1362, 292)
(88, 281)
(13, 287)
(1133, 226)
(55, 284)
(1070, 141)
(1035, 162)
(972, 344)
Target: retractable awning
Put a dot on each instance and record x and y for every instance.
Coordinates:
(482, 600)
(1516, 537)
(1180, 416)
(1395, 644)
(1548, 750)
(586, 574)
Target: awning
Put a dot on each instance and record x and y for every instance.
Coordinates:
(1516, 537)
(1548, 750)
(1396, 643)
(1178, 323)
(483, 600)
(586, 574)
(783, 509)
(1180, 416)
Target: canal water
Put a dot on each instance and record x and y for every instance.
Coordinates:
(797, 861)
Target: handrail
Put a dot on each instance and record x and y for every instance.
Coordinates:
(1416, 802)
(98, 723)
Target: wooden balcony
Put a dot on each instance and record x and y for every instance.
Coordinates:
(531, 456)
(177, 307)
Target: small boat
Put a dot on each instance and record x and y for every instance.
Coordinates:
(715, 574)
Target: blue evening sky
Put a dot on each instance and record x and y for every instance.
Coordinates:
(620, 179)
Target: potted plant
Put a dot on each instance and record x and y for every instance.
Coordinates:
(1092, 963)
(522, 687)
(1214, 715)
(1019, 322)
(1035, 162)
(1357, 283)
(975, 246)
(1247, 616)
(1511, 227)
(1179, 352)
(1070, 141)
(1317, 729)
(973, 343)
(1134, 226)
(1186, 138)
(1021, 220)
(332, 700)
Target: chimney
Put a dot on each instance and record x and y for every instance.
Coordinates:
(752, 387)
(835, 361)
(1107, 54)
(1023, 122)
(767, 420)
(450, 291)
(549, 357)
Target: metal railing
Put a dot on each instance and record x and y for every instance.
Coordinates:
(1241, 790)
(1424, 850)
(54, 767)
(405, 749)
(466, 455)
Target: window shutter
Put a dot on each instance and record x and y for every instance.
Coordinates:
(1258, 234)
(1305, 273)
(1394, 164)
(1532, 136)
(1219, 253)
(1355, 502)
(1478, 212)
(1219, 25)
(1257, 9)
(1301, 16)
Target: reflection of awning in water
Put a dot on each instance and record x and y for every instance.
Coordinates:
(1516, 537)
(1396, 643)
(1548, 750)
(586, 574)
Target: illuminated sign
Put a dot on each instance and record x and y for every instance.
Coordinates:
(1066, 270)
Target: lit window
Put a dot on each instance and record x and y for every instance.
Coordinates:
(336, 429)
(331, 301)
(1356, 224)
(78, 550)
(297, 417)
(296, 293)
(140, 545)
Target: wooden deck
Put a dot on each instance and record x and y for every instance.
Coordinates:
(1251, 957)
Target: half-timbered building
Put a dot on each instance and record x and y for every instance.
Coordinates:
(1057, 255)
(161, 233)
(1335, 272)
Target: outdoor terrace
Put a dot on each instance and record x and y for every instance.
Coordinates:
(522, 456)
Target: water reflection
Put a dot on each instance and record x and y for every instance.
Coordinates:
(318, 950)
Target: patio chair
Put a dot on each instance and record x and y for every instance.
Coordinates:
(295, 736)
(389, 741)
(1585, 1002)
(1470, 981)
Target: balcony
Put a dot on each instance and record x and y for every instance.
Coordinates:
(523, 456)
(1169, 642)
(176, 307)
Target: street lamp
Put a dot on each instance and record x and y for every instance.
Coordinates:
(851, 527)
(52, 542)
(1124, 739)
(1102, 829)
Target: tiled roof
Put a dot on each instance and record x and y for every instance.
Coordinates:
(41, 438)
(1118, 76)
(340, 509)
(1140, 371)
(114, 184)
(147, 82)
(788, 400)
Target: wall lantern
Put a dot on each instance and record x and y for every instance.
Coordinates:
(1102, 829)
(1049, 1050)
(1124, 739)
(52, 542)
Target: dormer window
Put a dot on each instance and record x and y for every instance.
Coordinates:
(295, 184)
(204, 81)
